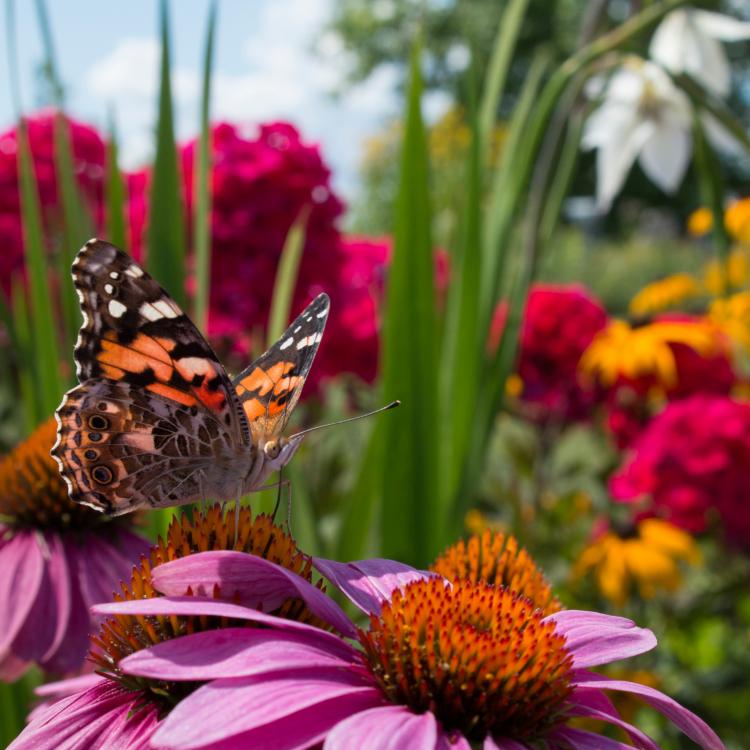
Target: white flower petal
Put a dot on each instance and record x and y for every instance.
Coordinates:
(607, 123)
(613, 162)
(722, 27)
(709, 64)
(665, 157)
(667, 46)
(720, 137)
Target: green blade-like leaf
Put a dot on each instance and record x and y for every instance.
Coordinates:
(202, 214)
(463, 345)
(563, 175)
(500, 199)
(286, 277)
(115, 195)
(355, 537)
(166, 232)
(712, 192)
(412, 519)
(497, 70)
(49, 382)
(20, 330)
(49, 67)
(78, 225)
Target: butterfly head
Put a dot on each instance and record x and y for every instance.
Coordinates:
(279, 451)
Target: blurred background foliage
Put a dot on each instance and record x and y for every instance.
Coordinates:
(430, 271)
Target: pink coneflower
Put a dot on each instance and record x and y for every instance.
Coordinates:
(439, 665)
(57, 559)
(115, 709)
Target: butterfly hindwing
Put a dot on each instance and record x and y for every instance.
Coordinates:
(151, 383)
(270, 387)
(121, 448)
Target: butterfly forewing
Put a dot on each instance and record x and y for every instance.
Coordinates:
(270, 387)
(155, 411)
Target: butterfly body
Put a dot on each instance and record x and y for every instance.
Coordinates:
(155, 420)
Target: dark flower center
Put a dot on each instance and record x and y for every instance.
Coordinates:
(479, 657)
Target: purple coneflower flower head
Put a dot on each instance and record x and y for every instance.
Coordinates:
(439, 666)
(117, 709)
(57, 559)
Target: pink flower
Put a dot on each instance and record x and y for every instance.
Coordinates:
(291, 685)
(57, 560)
(691, 465)
(88, 162)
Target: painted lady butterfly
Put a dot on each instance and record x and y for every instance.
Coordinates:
(156, 421)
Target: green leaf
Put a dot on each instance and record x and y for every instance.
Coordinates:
(16, 700)
(49, 382)
(497, 70)
(712, 191)
(115, 194)
(286, 277)
(463, 345)
(501, 200)
(166, 233)
(20, 331)
(412, 518)
(561, 182)
(77, 224)
(359, 516)
(202, 214)
(49, 67)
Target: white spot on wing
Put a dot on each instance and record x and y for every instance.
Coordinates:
(134, 271)
(297, 329)
(322, 313)
(287, 343)
(307, 341)
(108, 288)
(116, 308)
(167, 309)
(149, 312)
(114, 275)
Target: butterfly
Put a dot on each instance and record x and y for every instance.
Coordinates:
(155, 420)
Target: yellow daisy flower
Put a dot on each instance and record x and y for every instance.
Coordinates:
(631, 352)
(700, 222)
(737, 220)
(648, 555)
(732, 316)
(735, 273)
(664, 294)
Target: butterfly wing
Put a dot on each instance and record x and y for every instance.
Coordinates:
(153, 405)
(270, 387)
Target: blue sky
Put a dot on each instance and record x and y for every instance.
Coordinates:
(265, 68)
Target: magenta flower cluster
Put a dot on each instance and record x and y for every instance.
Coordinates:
(691, 466)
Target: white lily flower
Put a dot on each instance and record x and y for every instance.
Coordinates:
(689, 41)
(643, 116)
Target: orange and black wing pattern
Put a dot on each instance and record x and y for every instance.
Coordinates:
(152, 396)
(269, 389)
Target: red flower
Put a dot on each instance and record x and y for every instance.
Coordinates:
(559, 323)
(88, 162)
(261, 184)
(692, 463)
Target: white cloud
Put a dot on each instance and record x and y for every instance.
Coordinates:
(284, 78)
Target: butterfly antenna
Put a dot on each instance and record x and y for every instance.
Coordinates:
(392, 405)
